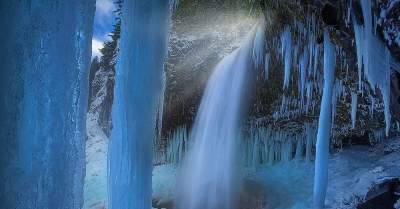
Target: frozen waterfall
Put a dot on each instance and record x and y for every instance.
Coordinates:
(324, 124)
(138, 86)
(209, 176)
(43, 94)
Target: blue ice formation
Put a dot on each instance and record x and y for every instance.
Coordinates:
(324, 124)
(138, 86)
(44, 65)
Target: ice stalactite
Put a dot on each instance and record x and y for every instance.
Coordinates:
(372, 108)
(353, 109)
(316, 60)
(375, 57)
(337, 88)
(174, 4)
(43, 99)
(178, 145)
(265, 145)
(144, 30)
(324, 124)
(158, 157)
(160, 106)
(286, 44)
(209, 177)
(359, 33)
(303, 74)
(267, 61)
(259, 42)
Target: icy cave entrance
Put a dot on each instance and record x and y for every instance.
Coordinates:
(277, 155)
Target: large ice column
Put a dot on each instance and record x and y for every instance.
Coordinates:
(138, 85)
(44, 65)
(324, 125)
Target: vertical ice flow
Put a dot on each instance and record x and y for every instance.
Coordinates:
(138, 85)
(43, 84)
(324, 125)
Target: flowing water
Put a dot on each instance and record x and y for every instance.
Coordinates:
(209, 178)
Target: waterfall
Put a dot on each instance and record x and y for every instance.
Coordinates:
(209, 176)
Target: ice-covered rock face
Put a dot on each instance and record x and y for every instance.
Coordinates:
(198, 41)
(389, 20)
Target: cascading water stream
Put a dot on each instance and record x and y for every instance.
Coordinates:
(209, 176)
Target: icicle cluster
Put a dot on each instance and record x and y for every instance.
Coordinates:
(374, 57)
(259, 44)
(178, 145)
(265, 145)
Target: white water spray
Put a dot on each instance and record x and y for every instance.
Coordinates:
(209, 176)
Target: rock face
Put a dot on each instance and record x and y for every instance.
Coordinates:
(197, 43)
(102, 94)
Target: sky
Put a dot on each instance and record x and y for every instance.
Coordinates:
(103, 24)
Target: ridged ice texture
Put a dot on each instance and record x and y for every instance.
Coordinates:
(374, 57)
(138, 86)
(286, 43)
(178, 145)
(43, 99)
(266, 145)
(209, 176)
(324, 125)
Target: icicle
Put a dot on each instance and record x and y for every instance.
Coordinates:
(398, 126)
(372, 106)
(359, 36)
(266, 65)
(324, 125)
(303, 73)
(259, 44)
(310, 135)
(177, 145)
(286, 41)
(160, 108)
(353, 109)
(173, 5)
(299, 147)
(375, 56)
(316, 60)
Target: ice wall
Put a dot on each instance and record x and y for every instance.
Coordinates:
(324, 124)
(44, 65)
(138, 86)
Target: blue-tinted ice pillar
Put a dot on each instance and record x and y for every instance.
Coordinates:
(324, 125)
(138, 85)
(43, 93)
